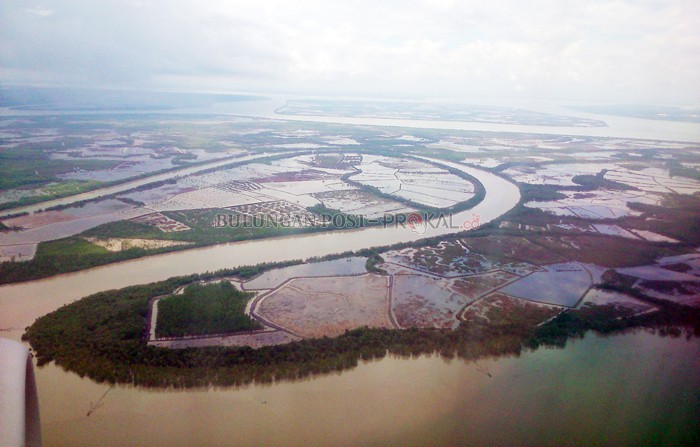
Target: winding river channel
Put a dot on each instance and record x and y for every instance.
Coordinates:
(596, 391)
(22, 303)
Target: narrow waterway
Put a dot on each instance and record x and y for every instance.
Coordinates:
(125, 186)
(21, 304)
(632, 389)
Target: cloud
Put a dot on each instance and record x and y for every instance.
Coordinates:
(631, 50)
(41, 12)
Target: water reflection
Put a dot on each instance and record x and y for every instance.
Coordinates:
(612, 391)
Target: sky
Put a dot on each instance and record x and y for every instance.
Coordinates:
(645, 51)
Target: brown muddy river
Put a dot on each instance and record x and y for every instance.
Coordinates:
(629, 389)
(633, 389)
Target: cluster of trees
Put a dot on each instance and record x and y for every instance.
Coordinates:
(103, 337)
(671, 319)
(599, 181)
(183, 159)
(26, 165)
(30, 164)
(372, 263)
(204, 309)
(675, 168)
(683, 210)
(74, 253)
(50, 259)
(534, 192)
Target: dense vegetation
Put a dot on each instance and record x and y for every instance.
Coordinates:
(32, 167)
(53, 190)
(67, 255)
(204, 309)
(671, 319)
(205, 229)
(599, 181)
(371, 265)
(536, 192)
(102, 336)
(678, 218)
(29, 164)
(675, 168)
